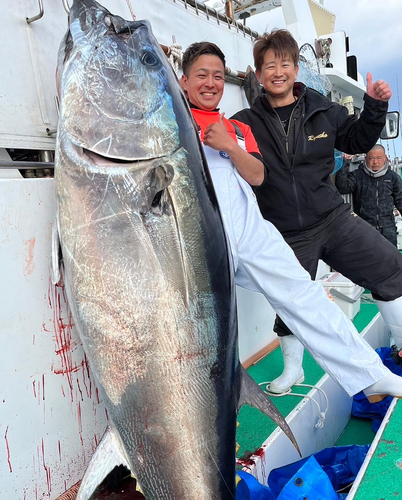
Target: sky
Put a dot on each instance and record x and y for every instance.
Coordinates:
(375, 38)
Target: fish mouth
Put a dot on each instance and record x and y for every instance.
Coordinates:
(102, 161)
(89, 154)
(153, 184)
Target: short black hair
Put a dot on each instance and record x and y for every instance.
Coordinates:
(195, 50)
(282, 43)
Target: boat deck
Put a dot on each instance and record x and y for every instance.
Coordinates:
(380, 477)
(254, 427)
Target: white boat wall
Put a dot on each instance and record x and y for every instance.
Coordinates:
(51, 416)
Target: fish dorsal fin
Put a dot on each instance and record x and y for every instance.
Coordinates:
(107, 456)
(252, 394)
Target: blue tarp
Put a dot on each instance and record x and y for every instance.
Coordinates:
(311, 482)
(340, 463)
(250, 489)
(316, 477)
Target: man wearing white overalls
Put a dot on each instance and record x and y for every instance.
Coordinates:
(262, 259)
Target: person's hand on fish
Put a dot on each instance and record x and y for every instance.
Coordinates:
(217, 137)
(378, 90)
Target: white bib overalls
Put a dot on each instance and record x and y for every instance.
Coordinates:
(264, 262)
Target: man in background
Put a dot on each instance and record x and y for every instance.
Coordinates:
(376, 190)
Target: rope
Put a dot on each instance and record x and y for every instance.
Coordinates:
(131, 10)
(175, 55)
(322, 414)
(71, 494)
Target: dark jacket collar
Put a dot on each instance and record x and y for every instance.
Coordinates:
(312, 100)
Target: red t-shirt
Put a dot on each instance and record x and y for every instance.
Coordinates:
(205, 118)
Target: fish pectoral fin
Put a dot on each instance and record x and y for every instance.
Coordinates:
(158, 178)
(56, 268)
(107, 456)
(252, 394)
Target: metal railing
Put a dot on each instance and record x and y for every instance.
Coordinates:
(25, 165)
(209, 11)
(30, 20)
(66, 6)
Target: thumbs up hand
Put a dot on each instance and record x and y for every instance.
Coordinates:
(379, 90)
(217, 137)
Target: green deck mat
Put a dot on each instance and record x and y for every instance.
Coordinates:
(255, 427)
(358, 431)
(383, 477)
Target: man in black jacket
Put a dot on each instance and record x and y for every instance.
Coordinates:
(297, 130)
(376, 190)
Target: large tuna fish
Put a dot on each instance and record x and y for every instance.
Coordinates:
(146, 264)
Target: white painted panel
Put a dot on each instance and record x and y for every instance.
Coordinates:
(28, 55)
(256, 320)
(51, 419)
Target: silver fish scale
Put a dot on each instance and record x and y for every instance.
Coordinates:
(149, 328)
(157, 324)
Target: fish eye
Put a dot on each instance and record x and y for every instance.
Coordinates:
(149, 59)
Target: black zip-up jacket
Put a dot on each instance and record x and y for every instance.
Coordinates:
(374, 198)
(298, 192)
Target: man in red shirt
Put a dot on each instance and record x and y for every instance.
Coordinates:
(262, 260)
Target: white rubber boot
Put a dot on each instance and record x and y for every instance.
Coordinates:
(390, 385)
(292, 351)
(392, 315)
